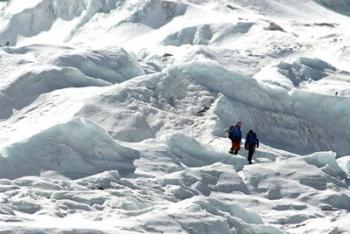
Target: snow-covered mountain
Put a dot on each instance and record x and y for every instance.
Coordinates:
(113, 116)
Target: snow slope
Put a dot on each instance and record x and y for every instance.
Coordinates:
(113, 116)
(68, 149)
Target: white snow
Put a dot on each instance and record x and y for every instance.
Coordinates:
(75, 149)
(113, 116)
(344, 163)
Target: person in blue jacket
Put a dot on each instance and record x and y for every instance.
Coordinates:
(235, 134)
(251, 142)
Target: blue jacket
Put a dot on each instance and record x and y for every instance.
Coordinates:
(235, 133)
(251, 139)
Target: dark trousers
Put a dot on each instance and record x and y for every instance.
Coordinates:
(251, 149)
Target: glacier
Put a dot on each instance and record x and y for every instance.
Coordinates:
(113, 116)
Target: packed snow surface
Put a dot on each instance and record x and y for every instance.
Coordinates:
(113, 116)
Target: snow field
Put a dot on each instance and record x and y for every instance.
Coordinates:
(114, 113)
(162, 94)
(70, 149)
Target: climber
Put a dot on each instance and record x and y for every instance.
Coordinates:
(235, 134)
(251, 142)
